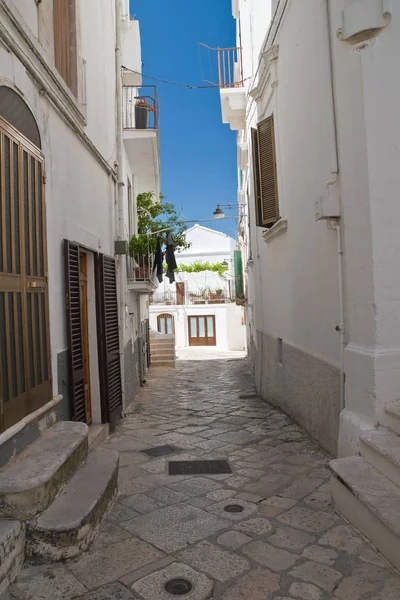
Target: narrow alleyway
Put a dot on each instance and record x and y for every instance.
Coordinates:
(286, 541)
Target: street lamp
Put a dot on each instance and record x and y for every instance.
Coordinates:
(219, 213)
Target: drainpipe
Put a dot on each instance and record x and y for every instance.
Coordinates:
(120, 189)
(336, 223)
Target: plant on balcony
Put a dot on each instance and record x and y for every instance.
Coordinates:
(153, 215)
(141, 248)
(142, 109)
(216, 295)
(144, 104)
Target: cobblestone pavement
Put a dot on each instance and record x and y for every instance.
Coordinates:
(287, 543)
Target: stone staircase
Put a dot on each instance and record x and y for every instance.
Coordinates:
(366, 488)
(162, 348)
(53, 498)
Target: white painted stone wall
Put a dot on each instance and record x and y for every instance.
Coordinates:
(293, 285)
(80, 193)
(213, 246)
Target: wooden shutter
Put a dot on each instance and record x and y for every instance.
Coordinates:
(109, 352)
(74, 330)
(256, 176)
(268, 176)
(65, 50)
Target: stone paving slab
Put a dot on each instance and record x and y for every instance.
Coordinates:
(287, 544)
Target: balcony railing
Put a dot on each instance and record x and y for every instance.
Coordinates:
(191, 298)
(140, 268)
(230, 67)
(140, 107)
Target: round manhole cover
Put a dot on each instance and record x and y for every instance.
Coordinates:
(233, 508)
(178, 587)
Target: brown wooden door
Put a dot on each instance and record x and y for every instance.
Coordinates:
(202, 330)
(25, 369)
(180, 293)
(108, 333)
(85, 335)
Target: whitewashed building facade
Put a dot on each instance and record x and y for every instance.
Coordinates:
(73, 159)
(199, 307)
(313, 97)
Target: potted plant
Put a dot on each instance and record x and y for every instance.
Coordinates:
(217, 295)
(199, 297)
(141, 248)
(142, 109)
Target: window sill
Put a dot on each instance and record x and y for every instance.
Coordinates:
(279, 227)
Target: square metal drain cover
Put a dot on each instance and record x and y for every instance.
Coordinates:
(198, 467)
(160, 450)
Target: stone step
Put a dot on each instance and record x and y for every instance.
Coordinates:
(370, 501)
(71, 523)
(392, 417)
(381, 449)
(164, 354)
(98, 433)
(166, 344)
(12, 551)
(162, 363)
(30, 483)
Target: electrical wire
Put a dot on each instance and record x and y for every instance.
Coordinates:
(185, 85)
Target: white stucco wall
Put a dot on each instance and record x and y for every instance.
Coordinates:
(293, 282)
(80, 193)
(206, 245)
(230, 334)
(294, 279)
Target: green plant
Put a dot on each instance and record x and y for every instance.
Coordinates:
(198, 267)
(219, 291)
(156, 214)
(141, 245)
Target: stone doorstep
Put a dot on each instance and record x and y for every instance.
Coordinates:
(12, 551)
(392, 417)
(72, 521)
(370, 501)
(381, 449)
(30, 483)
(98, 433)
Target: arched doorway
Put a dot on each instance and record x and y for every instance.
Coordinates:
(25, 371)
(166, 324)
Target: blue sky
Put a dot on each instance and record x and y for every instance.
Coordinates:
(198, 152)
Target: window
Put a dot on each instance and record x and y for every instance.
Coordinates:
(165, 324)
(65, 50)
(265, 174)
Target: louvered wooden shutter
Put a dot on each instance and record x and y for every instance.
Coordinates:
(256, 176)
(109, 343)
(65, 48)
(61, 21)
(268, 174)
(74, 330)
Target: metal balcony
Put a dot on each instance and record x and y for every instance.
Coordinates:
(141, 122)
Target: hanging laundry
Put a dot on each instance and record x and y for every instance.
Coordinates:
(158, 261)
(170, 258)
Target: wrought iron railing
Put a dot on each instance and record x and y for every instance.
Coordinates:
(177, 299)
(140, 107)
(230, 66)
(140, 267)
